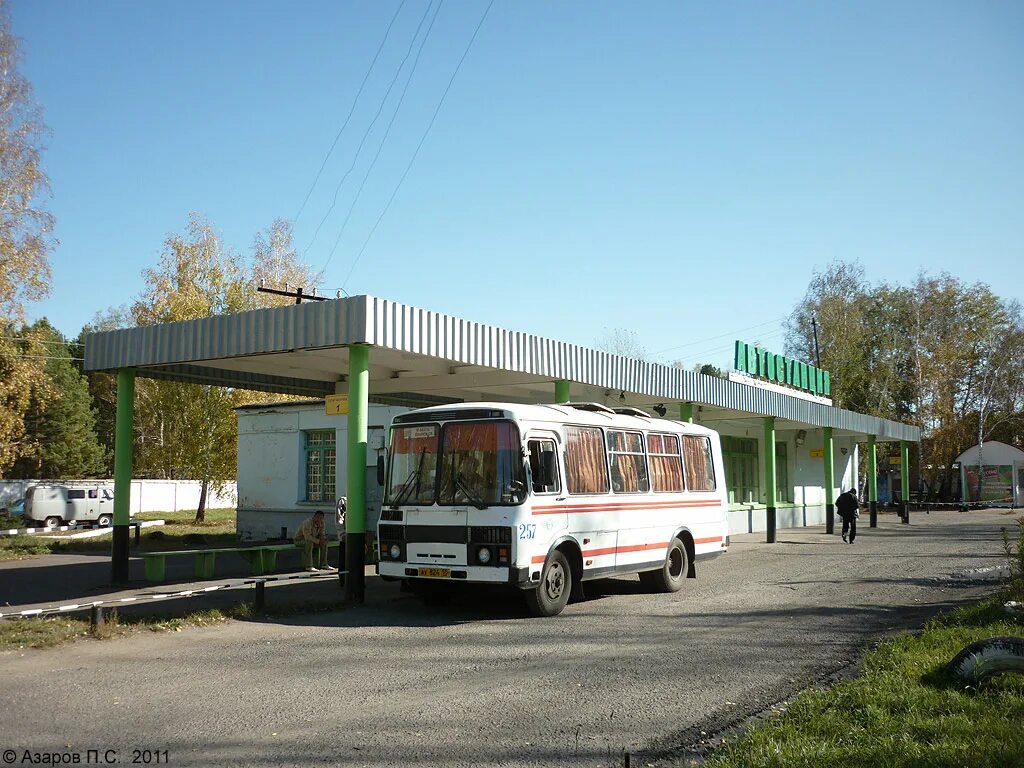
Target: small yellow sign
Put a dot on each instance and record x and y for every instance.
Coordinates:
(895, 461)
(336, 405)
(817, 453)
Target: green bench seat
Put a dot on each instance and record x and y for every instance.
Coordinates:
(262, 559)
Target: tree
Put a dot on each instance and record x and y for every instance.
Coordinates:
(940, 353)
(103, 386)
(26, 240)
(183, 427)
(188, 430)
(275, 262)
(62, 423)
(707, 369)
(622, 341)
(836, 299)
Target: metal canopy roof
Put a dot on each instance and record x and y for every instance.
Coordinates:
(301, 349)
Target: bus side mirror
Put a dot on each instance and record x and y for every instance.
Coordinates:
(380, 469)
(548, 468)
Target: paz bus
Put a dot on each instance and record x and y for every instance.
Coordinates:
(546, 497)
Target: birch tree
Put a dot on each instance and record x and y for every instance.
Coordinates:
(26, 239)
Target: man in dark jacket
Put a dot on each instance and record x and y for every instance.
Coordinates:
(848, 508)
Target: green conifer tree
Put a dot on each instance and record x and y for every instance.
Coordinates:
(62, 425)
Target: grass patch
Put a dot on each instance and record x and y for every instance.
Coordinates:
(218, 531)
(22, 547)
(903, 710)
(52, 631)
(6, 522)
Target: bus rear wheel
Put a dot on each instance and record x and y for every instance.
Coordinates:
(671, 575)
(552, 594)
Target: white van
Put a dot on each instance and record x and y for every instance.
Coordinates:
(55, 504)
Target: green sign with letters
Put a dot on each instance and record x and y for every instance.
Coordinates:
(763, 364)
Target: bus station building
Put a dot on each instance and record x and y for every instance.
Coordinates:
(787, 450)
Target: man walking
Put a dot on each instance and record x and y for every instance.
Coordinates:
(312, 537)
(848, 508)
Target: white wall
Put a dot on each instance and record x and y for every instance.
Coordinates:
(271, 466)
(806, 477)
(809, 474)
(146, 495)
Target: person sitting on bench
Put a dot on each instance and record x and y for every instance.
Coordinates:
(312, 537)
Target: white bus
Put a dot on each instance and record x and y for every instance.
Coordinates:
(545, 497)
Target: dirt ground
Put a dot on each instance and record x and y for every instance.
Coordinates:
(478, 682)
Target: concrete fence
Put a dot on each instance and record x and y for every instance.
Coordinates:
(146, 496)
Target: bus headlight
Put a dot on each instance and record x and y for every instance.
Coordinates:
(483, 555)
(396, 551)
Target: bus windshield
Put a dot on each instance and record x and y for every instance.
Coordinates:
(480, 463)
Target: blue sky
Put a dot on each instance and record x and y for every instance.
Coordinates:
(677, 169)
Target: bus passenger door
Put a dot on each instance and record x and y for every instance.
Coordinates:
(548, 498)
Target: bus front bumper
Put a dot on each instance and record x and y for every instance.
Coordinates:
(468, 573)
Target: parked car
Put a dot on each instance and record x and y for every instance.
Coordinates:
(15, 509)
(54, 504)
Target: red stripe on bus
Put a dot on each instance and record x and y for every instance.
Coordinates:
(581, 508)
(708, 540)
(611, 551)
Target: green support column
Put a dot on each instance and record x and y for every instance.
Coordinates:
(828, 459)
(873, 480)
(124, 436)
(561, 391)
(905, 478)
(686, 412)
(769, 477)
(355, 518)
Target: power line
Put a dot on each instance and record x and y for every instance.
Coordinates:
(369, 128)
(725, 348)
(351, 110)
(420, 145)
(49, 357)
(720, 336)
(387, 132)
(47, 341)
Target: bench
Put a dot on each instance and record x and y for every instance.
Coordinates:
(262, 558)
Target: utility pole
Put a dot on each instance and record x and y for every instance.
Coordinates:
(298, 294)
(817, 353)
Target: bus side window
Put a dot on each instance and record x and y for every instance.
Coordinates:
(544, 466)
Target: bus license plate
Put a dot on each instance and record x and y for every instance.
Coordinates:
(442, 573)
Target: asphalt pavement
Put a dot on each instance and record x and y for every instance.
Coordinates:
(479, 683)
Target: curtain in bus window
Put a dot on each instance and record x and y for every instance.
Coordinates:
(700, 474)
(629, 472)
(585, 466)
(666, 466)
(487, 460)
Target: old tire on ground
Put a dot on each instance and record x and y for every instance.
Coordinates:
(552, 593)
(103, 521)
(52, 522)
(672, 574)
(985, 658)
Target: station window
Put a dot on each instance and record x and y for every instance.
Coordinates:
(742, 470)
(320, 464)
(666, 465)
(700, 472)
(629, 469)
(586, 468)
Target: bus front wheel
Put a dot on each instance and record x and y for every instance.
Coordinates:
(671, 575)
(552, 594)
